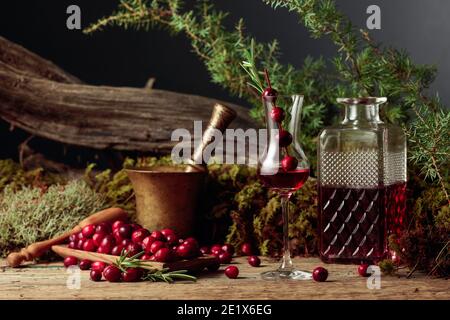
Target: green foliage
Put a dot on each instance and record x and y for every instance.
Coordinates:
(33, 214)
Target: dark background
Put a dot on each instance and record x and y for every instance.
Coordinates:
(128, 58)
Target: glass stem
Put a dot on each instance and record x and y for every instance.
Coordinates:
(286, 263)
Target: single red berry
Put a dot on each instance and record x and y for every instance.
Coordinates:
(80, 236)
(103, 227)
(247, 249)
(73, 237)
(104, 250)
(88, 231)
(80, 243)
(205, 250)
(117, 224)
(146, 256)
(166, 232)
(98, 266)
(254, 261)
(284, 138)
(139, 235)
(232, 272)
(163, 255)
(136, 226)
(70, 261)
(216, 249)
(156, 245)
(172, 239)
(95, 275)
(132, 275)
(362, 270)
(225, 257)
(147, 243)
(185, 250)
(117, 250)
(289, 163)
(112, 273)
(133, 249)
(72, 245)
(125, 231)
(157, 235)
(108, 242)
(270, 93)
(85, 264)
(214, 266)
(89, 245)
(125, 242)
(320, 274)
(228, 248)
(117, 236)
(98, 237)
(277, 114)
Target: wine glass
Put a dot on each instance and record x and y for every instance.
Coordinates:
(284, 168)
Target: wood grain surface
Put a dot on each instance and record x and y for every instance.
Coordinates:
(49, 282)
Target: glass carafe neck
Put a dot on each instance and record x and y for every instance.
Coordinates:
(362, 110)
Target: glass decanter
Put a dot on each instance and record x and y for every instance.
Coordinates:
(362, 184)
(284, 168)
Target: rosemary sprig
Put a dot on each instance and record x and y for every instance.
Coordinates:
(249, 67)
(153, 273)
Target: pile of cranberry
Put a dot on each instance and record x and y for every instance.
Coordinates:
(131, 239)
(277, 114)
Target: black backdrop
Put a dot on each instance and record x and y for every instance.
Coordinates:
(128, 58)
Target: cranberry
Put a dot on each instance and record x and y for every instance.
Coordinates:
(73, 237)
(254, 261)
(80, 236)
(72, 245)
(247, 249)
(191, 241)
(270, 93)
(125, 242)
(117, 224)
(139, 235)
(157, 235)
(103, 227)
(85, 264)
(132, 275)
(156, 245)
(88, 231)
(214, 266)
(136, 226)
(80, 244)
(133, 249)
(172, 238)
(284, 138)
(181, 241)
(70, 261)
(108, 241)
(320, 274)
(289, 163)
(185, 250)
(225, 257)
(147, 243)
(89, 245)
(117, 236)
(104, 250)
(125, 231)
(232, 272)
(216, 249)
(96, 275)
(167, 232)
(277, 114)
(98, 266)
(112, 273)
(117, 250)
(362, 270)
(205, 250)
(163, 255)
(228, 248)
(98, 237)
(146, 256)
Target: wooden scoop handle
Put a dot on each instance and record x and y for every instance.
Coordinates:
(37, 249)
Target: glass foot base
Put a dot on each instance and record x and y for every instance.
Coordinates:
(290, 274)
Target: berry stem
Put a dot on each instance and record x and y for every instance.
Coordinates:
(266, 75)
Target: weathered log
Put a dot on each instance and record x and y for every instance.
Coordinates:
(40, 98)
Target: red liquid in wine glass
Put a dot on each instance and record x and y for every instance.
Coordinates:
(286, 180)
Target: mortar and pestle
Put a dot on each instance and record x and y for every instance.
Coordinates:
(168, 197)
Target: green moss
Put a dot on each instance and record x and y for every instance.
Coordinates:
(34, 214)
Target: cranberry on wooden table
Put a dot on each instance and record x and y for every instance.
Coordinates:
(132, 275)
(214, 266)
(228, 248)
(95, 275)
(98, 266)
(112, 274)
(216, 249)
(320, 274)
(70, 261)
(232, 272)
(254, 261)
(362, 270)
(225, 257)
(85, 264)
(247, 249)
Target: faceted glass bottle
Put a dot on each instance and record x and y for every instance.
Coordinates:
(362, 184)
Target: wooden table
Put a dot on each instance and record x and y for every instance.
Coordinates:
(49, 282)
